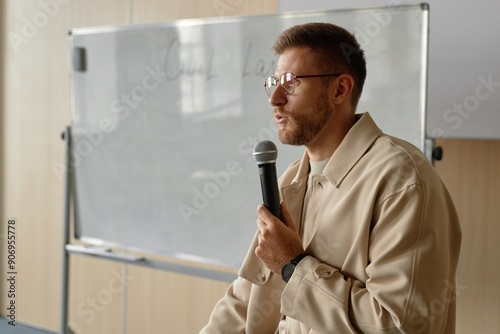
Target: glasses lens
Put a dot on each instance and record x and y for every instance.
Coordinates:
(270, 85)
(287, 81)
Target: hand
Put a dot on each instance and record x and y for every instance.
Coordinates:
(279, 241)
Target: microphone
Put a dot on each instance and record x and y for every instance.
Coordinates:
(265, 153)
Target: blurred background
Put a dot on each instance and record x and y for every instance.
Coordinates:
(35, 109)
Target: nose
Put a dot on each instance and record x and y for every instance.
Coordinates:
(278, 97)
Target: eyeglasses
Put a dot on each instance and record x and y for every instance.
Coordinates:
(287, 82)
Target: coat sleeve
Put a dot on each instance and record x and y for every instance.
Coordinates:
(229, 314)
(413, 252)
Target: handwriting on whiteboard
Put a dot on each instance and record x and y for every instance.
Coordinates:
(202, 61)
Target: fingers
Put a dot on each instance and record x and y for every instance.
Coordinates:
(263, 235)
(278, 241)
(267, 216)
(261, 225)
(263, 212)
(269, 219)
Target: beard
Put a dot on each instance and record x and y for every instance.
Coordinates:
(301, 129)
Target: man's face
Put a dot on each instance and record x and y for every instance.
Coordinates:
(300, 116)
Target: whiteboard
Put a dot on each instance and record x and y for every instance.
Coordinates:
(165, 117)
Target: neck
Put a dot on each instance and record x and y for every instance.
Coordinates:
(329, 138)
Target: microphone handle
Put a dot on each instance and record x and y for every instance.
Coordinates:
(269, 185)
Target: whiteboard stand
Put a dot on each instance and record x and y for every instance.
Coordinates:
(66, 235)
(107, 253)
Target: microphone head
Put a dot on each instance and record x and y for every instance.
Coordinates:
(265, 152)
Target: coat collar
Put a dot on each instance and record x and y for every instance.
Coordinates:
(354, 145)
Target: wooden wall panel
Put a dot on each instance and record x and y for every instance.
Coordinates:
(36, 111)
(33, 193)
(96, 302)
(471, 171)
(165, 302)
(160, 10)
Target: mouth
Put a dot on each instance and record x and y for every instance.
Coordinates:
(279, 117)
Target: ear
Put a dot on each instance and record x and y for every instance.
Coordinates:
(344, 85)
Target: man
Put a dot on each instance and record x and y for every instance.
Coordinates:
(369, 239)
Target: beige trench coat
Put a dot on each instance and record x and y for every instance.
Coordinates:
(383, 254)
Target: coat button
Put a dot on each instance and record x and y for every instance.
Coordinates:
(324, 271)
(261, 277)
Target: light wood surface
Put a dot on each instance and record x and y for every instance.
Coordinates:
(158, 10)
(97, 293)
(36, 111)
(471, 171)
(163, 302)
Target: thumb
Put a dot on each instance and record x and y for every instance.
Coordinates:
(286, 217)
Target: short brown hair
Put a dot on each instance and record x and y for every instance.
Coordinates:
(337, 50)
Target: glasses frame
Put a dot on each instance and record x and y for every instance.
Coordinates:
(281, 81)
